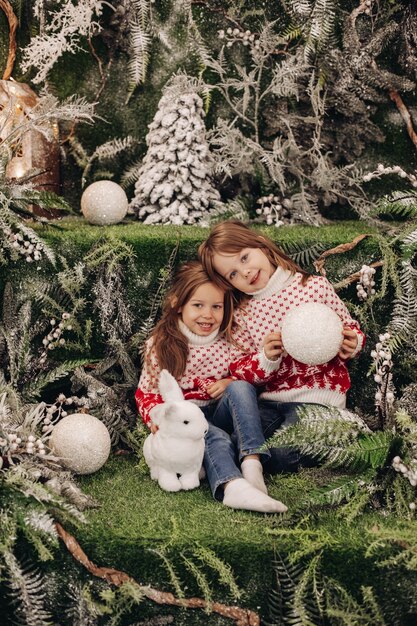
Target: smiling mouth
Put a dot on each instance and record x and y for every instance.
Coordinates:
(205, 326)
(255, 279)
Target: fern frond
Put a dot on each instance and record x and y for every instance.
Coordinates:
(308, 596)
(39, 529)
(401, 537)
(321, 28)
(111, 149)
(398, 205)
(109, 253)
(237, 209)
(131, 174)
(139, 338)
(9, 307)
(341, 489)
(198, 44)
(34, 388)
(140, 41)
(303, 256)
(336, 438)
(295, 598)
(82, 609)
(141, 11)
(27, 592)
(367, 451)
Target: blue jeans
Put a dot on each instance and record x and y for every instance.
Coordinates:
(275, 416)
(234, 432)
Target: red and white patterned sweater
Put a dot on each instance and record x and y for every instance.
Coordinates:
(290, 380)
(208, 361)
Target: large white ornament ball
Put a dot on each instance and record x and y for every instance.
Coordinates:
(312, 333)
(82, 442)
(104, 202)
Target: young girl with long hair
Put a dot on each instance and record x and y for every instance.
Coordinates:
(267, 284)
(191, 342)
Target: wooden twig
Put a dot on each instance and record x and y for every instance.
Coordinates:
(354, 277)
(242, 617)
(343, 247)
(405, 114)
(13, 24)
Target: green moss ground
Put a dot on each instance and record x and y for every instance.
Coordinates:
(136, 517)
(152, 245)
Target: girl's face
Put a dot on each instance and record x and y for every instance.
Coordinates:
(248, 270)
(203, 313)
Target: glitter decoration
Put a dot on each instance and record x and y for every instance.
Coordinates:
(104, 202)
(312, 333)
(81, 442)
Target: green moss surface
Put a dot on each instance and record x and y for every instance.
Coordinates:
(137, 520)
(76, 233)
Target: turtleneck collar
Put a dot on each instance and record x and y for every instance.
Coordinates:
(280, 279)
(197, 340)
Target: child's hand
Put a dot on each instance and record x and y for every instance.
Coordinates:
(349, 343)
(216, 390)
(272, 345)
(154, 428)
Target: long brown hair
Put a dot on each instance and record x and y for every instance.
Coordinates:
(232, 236)
(169, 343)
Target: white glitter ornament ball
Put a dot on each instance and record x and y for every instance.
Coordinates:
(312, 333)
(82, 442)
(103, 203)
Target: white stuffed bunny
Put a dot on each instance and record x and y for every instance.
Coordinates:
(175, 452)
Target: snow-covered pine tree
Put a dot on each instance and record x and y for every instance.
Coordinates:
(174, 183)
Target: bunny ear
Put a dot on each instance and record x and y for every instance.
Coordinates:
(169, 388)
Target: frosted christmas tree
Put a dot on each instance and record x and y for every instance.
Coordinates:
(174, 182)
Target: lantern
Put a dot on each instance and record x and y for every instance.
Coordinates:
(32, 151)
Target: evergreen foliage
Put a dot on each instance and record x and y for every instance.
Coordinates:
(24, 354)
(296, 94)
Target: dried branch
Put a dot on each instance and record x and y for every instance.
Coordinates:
(242, 617)
(405, 114)
(354, 277)
(343, 247)
(13, 23)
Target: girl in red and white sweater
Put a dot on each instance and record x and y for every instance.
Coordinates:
(268, 284)
(190, 342)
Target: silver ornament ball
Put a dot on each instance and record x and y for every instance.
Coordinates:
(81, 442)
(104, 202)
(312, 333)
